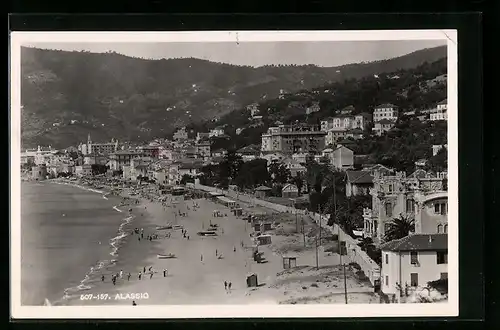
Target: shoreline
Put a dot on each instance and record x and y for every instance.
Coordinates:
(193, 281)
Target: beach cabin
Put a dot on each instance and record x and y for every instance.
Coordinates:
(264, 239)
(262, 191)
(213, 195)
(266, 226)
(226, 201)
(238, 211)
(289, 262)
(256, 226)
(252, 280)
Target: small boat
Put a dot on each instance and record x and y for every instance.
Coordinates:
(164, 227)
(166, 256)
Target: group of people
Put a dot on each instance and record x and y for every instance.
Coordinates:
(120, 275)
(227, 286)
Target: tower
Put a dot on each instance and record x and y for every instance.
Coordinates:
(89, 144)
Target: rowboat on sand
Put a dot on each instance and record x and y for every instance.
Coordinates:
(166, 256)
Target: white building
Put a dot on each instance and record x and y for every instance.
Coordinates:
(289, 139)
(218, 131)
(440, 112)
(181, 134)
(342, 158)
(313, 108)
(413, 261)
(385, 111)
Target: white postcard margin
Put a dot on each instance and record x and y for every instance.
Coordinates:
(450, 308)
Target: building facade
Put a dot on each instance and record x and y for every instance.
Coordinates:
(412, 262)
(181, 134)
(385, 111)
(289, 139)
(419, 197)
(218, 131)
(440, 112)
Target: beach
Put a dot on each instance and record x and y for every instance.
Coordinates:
(204, 264)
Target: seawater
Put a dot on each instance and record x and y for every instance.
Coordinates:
(68, 234)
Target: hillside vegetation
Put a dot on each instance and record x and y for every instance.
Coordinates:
(66, 95)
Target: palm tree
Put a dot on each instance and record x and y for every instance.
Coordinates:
(399, 228)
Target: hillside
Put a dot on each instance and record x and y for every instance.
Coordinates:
(66, 95)
(415, 89)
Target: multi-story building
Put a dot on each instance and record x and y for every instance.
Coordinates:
(383, 126)
(90, 147)
(313, 108)
(420, 196)
(339, 127)
(440, 112)
(437, 147)
(202, 136)
(385, 111)
(149, 151)
(412, 262)
(254, 109)
(218, 131)
(289, 139)
(122, 158)
(203, 150)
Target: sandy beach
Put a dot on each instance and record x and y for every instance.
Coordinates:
(197, 274)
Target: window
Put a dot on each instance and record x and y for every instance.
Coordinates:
(414, 257)
(436, 208)
(443, 208)
(440, 229)
(446, 229)
(441, 258)
(387, 280)
(390, 188)
(444, 276)
(410, 205)
(414, 279)
(388, 209)
(387, 258)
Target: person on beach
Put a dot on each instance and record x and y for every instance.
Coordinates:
(144, 269)
(150, 268)
(151, 275)
(188, 237)
(140, 275)
(164, 273)
(201, 258)
(133, 303)
(234, 249)
(216, 252)
(150, 238)
(229, 286)
(121, 273)
(139, 238)
(114, 280)
(225, 285)
(128, 276)
(102, 278)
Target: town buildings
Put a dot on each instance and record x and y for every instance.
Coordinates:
(421, 196)
(202, 149)
(412, 262)
(313, 108)
(290, 191)
(345, 125)
(91, 148)
(216, 132)
(437, 147)
(201, 137)
(289, 139)
(358, 183)
(440, 112)
(385, 117)
(342, 158)
(254, 109)
(249, 152)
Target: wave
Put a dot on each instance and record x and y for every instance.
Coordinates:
(79, 186)
(90, 277)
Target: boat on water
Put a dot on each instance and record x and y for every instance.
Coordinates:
(166, 256)
(164, 227)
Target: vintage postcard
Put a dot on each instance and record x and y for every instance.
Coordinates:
(234, 174)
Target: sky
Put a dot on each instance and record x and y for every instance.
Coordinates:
(320, 53)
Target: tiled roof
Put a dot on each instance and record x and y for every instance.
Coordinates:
(418, 242)
(385, 121)
(359, 177)
(262, 188)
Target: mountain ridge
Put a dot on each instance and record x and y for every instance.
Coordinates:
(67, 95)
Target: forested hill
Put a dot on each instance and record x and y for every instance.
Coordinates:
(66, 95)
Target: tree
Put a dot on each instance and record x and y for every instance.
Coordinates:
(279, 173)
(230, 166)
(298, 181)
(399, 228)
(253, 173)
(439, 162)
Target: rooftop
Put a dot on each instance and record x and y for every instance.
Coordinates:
(386, 122)
(386, 105)
(359, 177)
(262, 188)
(445, 101)
(418, 242)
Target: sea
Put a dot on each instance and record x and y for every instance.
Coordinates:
(68, 235)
